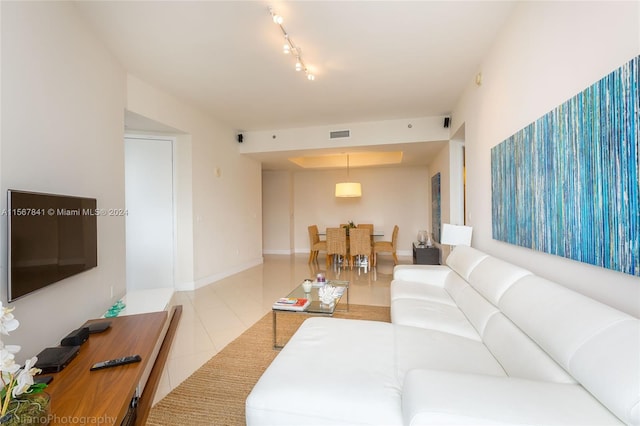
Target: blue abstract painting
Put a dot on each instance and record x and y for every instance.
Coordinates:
(569, 183)
(436, 221)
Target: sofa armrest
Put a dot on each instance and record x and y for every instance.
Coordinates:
(428, 274)
(431, 397)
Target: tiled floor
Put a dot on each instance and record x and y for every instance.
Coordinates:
(216, 314)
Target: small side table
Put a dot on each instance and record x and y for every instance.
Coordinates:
(423, 255)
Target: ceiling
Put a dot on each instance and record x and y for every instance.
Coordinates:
(373, 60)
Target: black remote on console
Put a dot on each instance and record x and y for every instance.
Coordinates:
(115, 362)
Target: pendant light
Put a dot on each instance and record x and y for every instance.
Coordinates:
(348, 189)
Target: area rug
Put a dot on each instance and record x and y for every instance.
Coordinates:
(215, 393)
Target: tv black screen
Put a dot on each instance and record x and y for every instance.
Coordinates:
(50, 237)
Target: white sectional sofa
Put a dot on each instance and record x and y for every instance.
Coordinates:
(479, 341)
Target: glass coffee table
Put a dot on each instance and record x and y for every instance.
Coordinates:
(315, 308)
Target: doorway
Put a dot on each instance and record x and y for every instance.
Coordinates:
(149, 199)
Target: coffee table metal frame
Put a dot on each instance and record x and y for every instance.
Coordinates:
(315, 308)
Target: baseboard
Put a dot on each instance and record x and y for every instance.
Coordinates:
(280, 251)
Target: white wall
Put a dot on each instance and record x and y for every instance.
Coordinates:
(548, 52)
(390, 196)
(226, 186)
(63, 97)
(183, 204)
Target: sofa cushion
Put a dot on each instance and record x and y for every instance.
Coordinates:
(519, 355)
(596, 344)
(463, 259)
(332, 371)
(429, 274)
(444, 292)
(440, 397)
(609, 366)
(432, 315)
(454, 284)
(475, 308)
(418, 348)
(419, 290)
(492, 277)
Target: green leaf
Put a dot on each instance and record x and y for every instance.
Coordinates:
(36, 387)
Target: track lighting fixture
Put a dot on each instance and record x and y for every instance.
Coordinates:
(290, 48)
(277, 19)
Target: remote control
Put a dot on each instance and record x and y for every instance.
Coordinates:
(116, 362)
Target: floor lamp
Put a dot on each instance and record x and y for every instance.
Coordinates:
(455, 235)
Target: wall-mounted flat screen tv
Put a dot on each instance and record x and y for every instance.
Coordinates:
(50, 237)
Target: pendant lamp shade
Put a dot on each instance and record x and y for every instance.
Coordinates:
(348, 189)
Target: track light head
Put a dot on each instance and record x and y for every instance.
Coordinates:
(289, 46)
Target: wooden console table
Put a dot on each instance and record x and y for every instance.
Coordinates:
(80, 396)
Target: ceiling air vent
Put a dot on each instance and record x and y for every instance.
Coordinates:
(338, 134)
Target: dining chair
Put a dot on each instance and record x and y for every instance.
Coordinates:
(359, 244)
(336, 244)
(368, 226)
(315, 243)
(387, 247)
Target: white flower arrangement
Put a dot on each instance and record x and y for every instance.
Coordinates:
(328, 294)
(14, 380)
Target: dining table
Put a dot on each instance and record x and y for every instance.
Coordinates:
(359, 261)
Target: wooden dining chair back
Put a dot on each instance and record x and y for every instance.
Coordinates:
(315, 243)
(359, 244)
(368, 226)
(387, 247)
(336, 244)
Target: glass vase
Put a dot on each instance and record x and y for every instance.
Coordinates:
(429, 241)
(422, 237)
